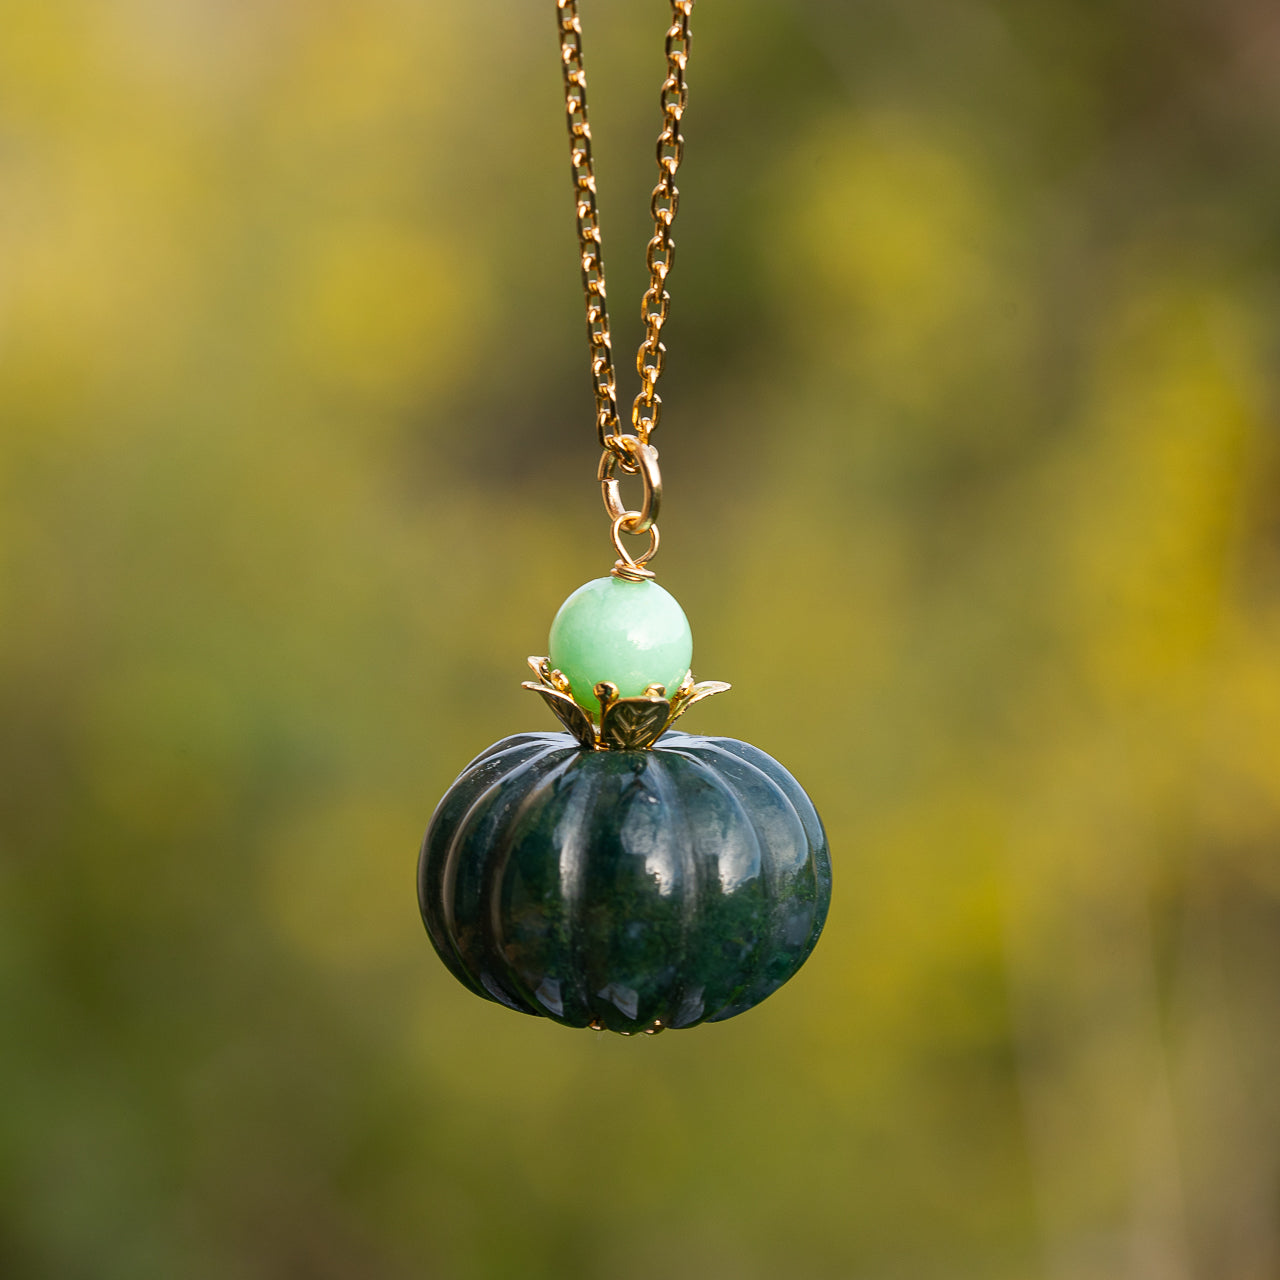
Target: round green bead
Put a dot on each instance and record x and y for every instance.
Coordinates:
(631, 633)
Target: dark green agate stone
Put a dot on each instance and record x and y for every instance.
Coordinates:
(632, 890)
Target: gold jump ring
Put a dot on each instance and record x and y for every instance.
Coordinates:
(644, 459)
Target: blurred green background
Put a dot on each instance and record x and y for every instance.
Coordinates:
(971, 492)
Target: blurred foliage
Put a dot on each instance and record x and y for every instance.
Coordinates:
(971, 493)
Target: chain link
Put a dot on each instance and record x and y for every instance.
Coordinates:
(646, 411)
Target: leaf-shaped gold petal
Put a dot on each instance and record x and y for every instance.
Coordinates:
(631, 724)
(567, 712)
(691, 693)
(541, 667)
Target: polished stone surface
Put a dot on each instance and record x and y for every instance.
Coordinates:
(631, 633)
(673, 886)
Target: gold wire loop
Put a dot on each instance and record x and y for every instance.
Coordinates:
(644, 460)
(629, 566)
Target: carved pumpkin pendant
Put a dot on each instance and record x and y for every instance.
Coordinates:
(622, 875)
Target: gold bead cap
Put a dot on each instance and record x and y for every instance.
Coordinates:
(626, 724)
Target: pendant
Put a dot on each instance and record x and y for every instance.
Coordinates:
(622, 875)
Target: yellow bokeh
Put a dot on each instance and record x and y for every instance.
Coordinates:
(969, 462)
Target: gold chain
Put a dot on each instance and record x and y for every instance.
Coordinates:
(647, 409)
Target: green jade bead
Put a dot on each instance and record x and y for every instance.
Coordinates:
(633, 634)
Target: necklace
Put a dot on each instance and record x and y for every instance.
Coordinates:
(622, 875)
